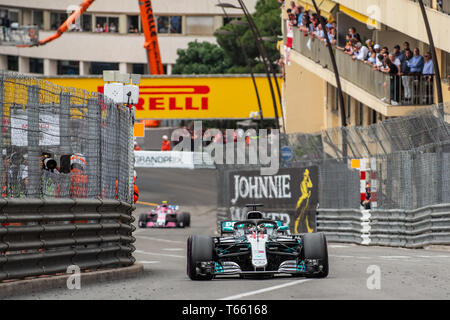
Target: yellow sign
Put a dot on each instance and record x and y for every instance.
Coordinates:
(139, 130)
(231, 97)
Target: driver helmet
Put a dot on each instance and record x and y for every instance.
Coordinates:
(164, 204)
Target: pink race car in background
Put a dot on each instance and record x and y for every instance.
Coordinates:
(164, 216)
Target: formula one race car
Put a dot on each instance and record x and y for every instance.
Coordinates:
(256, 247)
(165, 216)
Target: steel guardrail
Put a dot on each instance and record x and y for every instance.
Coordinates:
(46, 236)
(418, 228)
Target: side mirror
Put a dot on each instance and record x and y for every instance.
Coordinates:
(282, 228)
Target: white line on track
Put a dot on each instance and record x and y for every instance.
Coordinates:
(159, 239)
(147, 262)
(395, 257)
(335, 246)
(173, 249)
(159, 254)
(251, 293)
(340, 256)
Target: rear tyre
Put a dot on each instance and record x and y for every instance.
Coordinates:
(142, 223)
(199, 249)
(181, 220)
(187, 219)
(315, 247)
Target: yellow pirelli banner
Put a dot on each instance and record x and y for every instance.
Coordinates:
(192, 97)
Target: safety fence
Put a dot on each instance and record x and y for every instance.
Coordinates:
(405, 160)
(396, 228)
(66, 179)
(60, 142)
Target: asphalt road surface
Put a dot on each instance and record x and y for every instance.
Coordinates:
(404, 273)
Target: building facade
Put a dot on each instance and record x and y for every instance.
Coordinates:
(108, 35)
(310, 99)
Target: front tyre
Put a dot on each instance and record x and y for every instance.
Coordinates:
(315, 247)
(199, 249)
(142, 222)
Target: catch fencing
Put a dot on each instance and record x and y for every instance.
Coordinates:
(44, 122)
(406, 161)
(66, 179)
(405, 164)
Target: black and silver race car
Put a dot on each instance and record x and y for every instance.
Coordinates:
(256, 247)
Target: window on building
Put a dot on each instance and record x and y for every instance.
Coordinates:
(107, 24)
(447, 66)
(199, 25)
(139, 68)
(98, 67)
(133, 24)
(36, 65)
(86, 22)
(38, 18)
(56, 19)
(68, 67)
(13, 15)
(168, 24)
(13, 63)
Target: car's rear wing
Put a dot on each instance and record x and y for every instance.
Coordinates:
(228, 226)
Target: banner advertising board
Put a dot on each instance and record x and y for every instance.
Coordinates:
(191, 97)
(290, 196)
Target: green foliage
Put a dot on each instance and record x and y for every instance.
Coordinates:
(201, 58)
(228, 57)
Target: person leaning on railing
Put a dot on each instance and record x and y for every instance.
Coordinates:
(415, 65)
(392, 70)
(428, 73)
(405, 73)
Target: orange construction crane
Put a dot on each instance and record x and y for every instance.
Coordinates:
(148, 24)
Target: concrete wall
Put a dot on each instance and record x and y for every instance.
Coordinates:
(304, 96)
(131, 6)
(80, 46)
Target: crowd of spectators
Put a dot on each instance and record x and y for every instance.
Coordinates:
(105, 28)
(410, 72)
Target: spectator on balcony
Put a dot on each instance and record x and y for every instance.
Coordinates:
(372, 57)
(395, 60)
(405, 75)
(428, 72)
(332, 36)
(369, 44)
(398, 53)
(379, 63)
(360, 52)
(98, 28)
(306, 22)
(300, 13)
(416, 63)
(353, 34)
(319, 33)
(392, 70)
(405, 47)
(428, 67)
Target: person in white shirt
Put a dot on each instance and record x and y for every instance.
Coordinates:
(361, 52)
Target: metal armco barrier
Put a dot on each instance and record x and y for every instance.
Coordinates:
(397, 228)
(44, 237)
